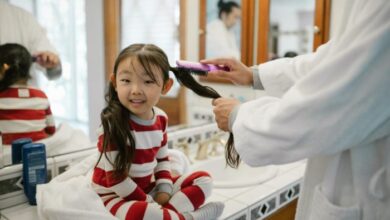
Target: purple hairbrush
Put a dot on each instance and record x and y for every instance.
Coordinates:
(199, 68)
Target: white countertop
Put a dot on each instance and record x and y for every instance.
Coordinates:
(247, 201)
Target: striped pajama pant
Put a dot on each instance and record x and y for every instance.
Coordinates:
(189, 192)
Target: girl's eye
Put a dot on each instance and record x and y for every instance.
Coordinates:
(149, 81)
(125, 80)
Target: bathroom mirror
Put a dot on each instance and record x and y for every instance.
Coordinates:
(223, 29)
(291, 28)
(226, 30)
(294, 27)
(114, 37)
(64, 24)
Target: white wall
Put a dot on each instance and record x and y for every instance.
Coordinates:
(95, 59)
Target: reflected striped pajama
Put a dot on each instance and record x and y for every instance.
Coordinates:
(25, 112)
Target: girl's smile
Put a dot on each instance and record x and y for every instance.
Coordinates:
(139, 90)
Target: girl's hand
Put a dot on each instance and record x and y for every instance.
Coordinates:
(162, 198)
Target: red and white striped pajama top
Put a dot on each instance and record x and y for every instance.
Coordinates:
(130, 197)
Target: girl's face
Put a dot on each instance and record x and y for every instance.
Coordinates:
(137, 91)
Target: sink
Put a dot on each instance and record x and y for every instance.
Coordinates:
(227, 177)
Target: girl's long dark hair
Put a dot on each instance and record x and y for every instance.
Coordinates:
(19, 61)
(114, 117)
(186, 79)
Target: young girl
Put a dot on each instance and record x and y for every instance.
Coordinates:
(24, 110)
(132, 175)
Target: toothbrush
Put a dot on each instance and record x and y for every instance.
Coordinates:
(199, 68)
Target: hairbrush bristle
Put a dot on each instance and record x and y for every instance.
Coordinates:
(191, 71)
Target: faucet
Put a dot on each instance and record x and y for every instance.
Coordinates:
(183, 146)
(215, 141)
(201, 154)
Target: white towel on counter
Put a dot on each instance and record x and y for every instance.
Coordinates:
(179, 162)
(65, 140)
(70, 195)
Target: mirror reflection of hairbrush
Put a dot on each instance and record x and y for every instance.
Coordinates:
(198, 68)
(34, 59)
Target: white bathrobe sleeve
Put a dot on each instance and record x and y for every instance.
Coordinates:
(279, 75)
(328, 101)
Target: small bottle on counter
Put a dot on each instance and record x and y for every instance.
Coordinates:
(16, 149)
(34, 169)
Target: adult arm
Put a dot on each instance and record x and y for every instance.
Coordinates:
(341, 102)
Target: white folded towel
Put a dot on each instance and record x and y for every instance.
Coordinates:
(179, 162)
(66, 139)
(70, 196)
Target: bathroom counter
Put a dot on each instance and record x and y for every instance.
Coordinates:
(255, 202)
(260, 201)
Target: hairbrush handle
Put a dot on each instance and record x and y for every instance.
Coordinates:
(199, 66)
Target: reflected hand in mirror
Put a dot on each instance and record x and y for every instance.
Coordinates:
(222, 38)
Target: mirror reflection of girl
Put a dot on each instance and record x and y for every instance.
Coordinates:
(132, 175)
(220, 37)
(24, 110)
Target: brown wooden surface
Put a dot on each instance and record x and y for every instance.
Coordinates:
(322, 21)
(262, 31)
(286, 212)
(247, 33)
(202, 29)
(183, 56)
(176, 107)
(111, 33)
